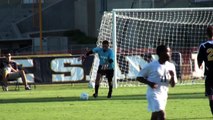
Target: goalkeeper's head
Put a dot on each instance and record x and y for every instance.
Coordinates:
(209, 31)
(105, 45)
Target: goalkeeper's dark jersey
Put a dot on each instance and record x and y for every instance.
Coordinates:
(205, 54)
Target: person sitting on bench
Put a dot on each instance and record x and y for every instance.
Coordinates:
(11, 71)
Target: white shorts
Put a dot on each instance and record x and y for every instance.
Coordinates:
(156, 102)
(13, 75)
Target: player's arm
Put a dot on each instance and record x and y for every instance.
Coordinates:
(14, 67)
(110, 61)
(200, 56)
(89, 52)
(111, 57)
(142, 75)
(145, 81)
(83, 57)
(172, 80)
(13, 70)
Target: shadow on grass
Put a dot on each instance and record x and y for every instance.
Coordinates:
(198, 95)
(115, 97)
(64, 99)
(197, 118)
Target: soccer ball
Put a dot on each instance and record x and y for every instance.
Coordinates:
(84, 96)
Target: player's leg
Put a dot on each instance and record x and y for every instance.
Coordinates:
(24, 79)
(109, 75)
(97, 84)
(21, 73)
(160, 115)
(97, 81)
(154, 116)
(211, 103)
(110, 87)
(4, 80)
(209, 93)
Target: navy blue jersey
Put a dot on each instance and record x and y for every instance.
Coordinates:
(205, 54)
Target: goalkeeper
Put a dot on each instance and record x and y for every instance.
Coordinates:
(106, 66)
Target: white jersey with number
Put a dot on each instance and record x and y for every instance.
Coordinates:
(159, 74)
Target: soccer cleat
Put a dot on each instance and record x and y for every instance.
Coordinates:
(95, 95)
(27, 88)
(109, 96)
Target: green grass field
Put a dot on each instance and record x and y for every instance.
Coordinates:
(61, 102)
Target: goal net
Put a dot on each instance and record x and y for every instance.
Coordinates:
(135, 33)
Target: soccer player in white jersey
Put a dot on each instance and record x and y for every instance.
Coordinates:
(205, 54)
(158, 75)
(106, 66)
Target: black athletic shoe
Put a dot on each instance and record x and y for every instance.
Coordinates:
(95, 95)
(109, 96)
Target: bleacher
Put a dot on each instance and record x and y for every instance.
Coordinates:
(9, 16)
(172, 3)
(204, 3)
(5, 3)
(182, 3)
(11, 12)
(57, 16)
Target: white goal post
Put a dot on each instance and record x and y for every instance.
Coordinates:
(135, 33)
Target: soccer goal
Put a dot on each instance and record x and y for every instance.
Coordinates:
(135, 33)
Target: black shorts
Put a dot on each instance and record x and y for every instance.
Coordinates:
(208, 86)
(108, 72)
